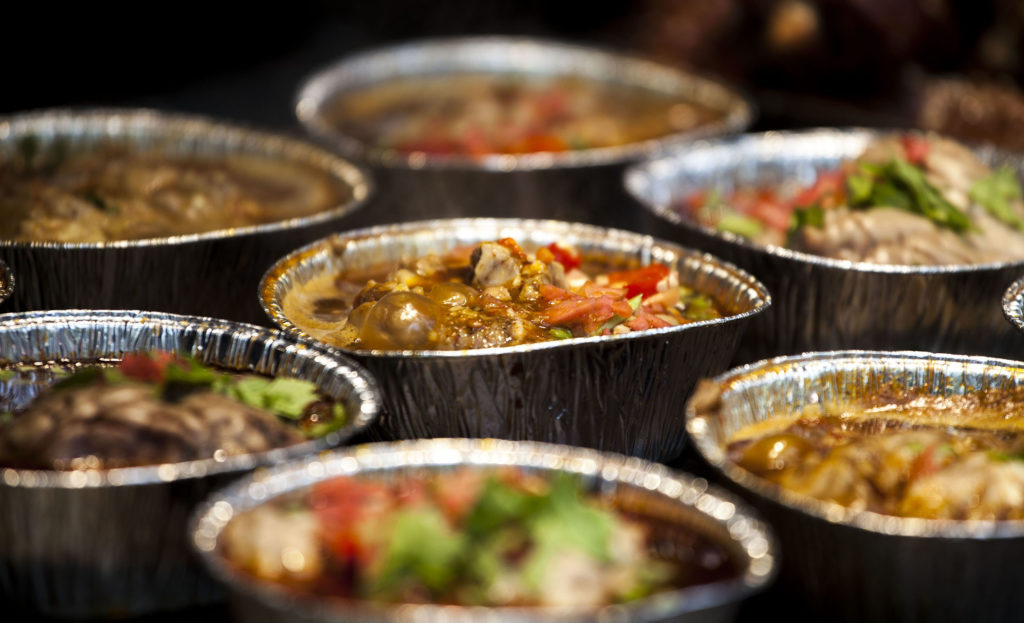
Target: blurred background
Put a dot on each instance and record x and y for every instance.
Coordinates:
(951, 65)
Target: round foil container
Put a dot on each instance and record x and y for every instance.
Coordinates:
(823, 303)
(6, 284)
(849, 565)
(99, 543)
(617, 393)
(578, 185)
(212, 273)
(1013, 305)
(681, 502)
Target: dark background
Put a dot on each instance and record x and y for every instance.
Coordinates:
(804, 62)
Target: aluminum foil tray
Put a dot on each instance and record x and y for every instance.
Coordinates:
(100, 543)
(822, 303)
(578, 185)
(616, 393)
(850, 565)
(680, 500)
(210, 274)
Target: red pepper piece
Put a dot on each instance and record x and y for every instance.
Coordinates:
(916, 148)
(144, 366)
(642, 281)
(567, 258)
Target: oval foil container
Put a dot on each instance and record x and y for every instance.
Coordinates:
(680, 501)
(822, 303)
(209, 274)
(617, 393)
(848, 565)
(1013, 306)
(113, 542)
(574, 186)
(6, 284)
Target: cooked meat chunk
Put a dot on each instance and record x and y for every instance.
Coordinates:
(129, 425)
(494, 265)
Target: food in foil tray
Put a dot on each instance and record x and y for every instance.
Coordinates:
(114, 191)
(907, 199)
(480, 114)
(493, 294)
(465, 536)
(152, 408)
(899, 452)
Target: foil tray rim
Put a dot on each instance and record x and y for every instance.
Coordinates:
(319, 87)
(364, 386)
(637, 175)
(285, 265)
(831, 512)
(744, 527)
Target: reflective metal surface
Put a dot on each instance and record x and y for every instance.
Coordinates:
(652, 490)
(578, 185)
(617, 393)
(856, 565)
(212, 273)
(1013, 306)
(113, 542)
(822, 303)
(6, 284)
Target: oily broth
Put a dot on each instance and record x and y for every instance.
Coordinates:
(403, 111)
(114, 192)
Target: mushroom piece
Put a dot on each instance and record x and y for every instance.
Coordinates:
(494, 265)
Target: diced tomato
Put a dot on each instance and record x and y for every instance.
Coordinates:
(774, 214)
(643, 320)
(568, 310)
(145, 367)
(457, 494)
(592, 290)
(566, 257)
(641, 280)
(475, 142)
(552, 293)
(916, 148)
(543, 142)
(695, 201)
(431, 146)
(829, 185)
(340, 505)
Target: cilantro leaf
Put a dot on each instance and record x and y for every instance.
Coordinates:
(995, 192)
(736, 223)
(807, 216)
(422, 548)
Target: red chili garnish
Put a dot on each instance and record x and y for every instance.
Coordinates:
(146, 366)
(565, 257)
(642, 281)
(916, 148)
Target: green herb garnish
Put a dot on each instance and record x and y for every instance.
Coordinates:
(736, 223)
(995, 192)
(560, 333)
(804, 216)
(899, 184)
